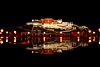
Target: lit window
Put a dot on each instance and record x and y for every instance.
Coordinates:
(60, 32)
(32, 20)
(2, 30)
(90, 38)
(78, 39)
(14, 32)
(78, 32)
(93, 32)
(32, 51)
(99, 42)
(14, 39)
(93, 38)
(1, 37)
(89, 31)
(6, 39)
(90, 41)
(60, 39)
(43, 32)
(1, 42)
(28, 32)
(99, 29)
(44, 39)
(6, 32)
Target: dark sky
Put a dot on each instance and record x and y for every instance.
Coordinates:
(81, 13)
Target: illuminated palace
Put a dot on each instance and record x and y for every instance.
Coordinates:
(53, 25)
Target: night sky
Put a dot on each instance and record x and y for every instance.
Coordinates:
(81, 13)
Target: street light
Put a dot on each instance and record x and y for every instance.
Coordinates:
(78, 32)
(32, 20)
(15, 32)
(2, 30)
(99, 29)
(60, 32)
(93, 32)
(1, 42)
(43, 32)
(28, 32)
(6, 32)
(89, 31)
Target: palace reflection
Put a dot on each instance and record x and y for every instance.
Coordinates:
(50, 45)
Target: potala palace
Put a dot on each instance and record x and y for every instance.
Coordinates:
(52, 25)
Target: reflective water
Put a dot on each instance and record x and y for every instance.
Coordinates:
(49, 45)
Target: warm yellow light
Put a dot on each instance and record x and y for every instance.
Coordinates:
(93, 32)
(6, 37)
(28, 32)
(32, 51)
(1, 42)
(99, 29)
(14, 39)
(2, 30)
(44, 39)
(33, 20)
(60, 32)
(93, 38)
(78, 32)
(90, 41)
(15, 32)
(1, 37)
(6, 32)
(43, 32)
(60, 39)
(99, 42)
(78, 39)
(89, 31)
(90, 38)
(7, 40)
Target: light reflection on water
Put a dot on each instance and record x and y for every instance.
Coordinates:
(50, 45)
(57, 44)
(99, 40)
